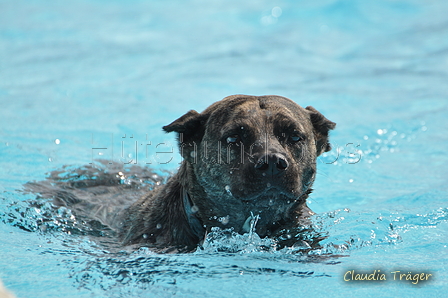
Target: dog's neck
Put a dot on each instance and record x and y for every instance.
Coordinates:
(186, 179)
(195, 224)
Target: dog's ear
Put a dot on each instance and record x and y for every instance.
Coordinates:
(190, 128)
(321, 127)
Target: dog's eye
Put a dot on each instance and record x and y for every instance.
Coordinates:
(294, 139)
(233, 139)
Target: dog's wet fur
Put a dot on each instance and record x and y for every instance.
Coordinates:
(246, 159)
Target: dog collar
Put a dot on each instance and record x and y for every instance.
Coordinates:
(195, 224)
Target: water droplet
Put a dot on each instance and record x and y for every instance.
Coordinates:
(268, 20)
(380, 131)
(242, 127)
(145, 236)
(264, 174)
(227, 188)
(158, 226)
(224, 220)
(424, 128)
(230, 172)
(193, 154)
(194, 209)
(351, 180)
(366, 138)
(276, 12)
(268, 184)
(57, 141)
(50, 159)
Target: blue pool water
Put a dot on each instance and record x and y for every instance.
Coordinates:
(75, 76)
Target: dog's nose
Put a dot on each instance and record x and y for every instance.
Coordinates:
(274, 164)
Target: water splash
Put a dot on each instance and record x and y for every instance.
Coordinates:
(347, 232)
(227, 240)
(250, 223)
(337, 232)
(373, 144)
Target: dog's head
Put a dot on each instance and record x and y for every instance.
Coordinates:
(251, 155)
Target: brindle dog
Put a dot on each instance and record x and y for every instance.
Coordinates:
(245, 159)
(248, 161)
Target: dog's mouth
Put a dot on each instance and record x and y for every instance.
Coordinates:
(262, 223)
(264, 211)
(270, 196)
(261, 212)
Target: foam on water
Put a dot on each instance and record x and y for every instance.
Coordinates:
(97, 269)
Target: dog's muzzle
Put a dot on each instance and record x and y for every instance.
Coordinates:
(273, 164)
